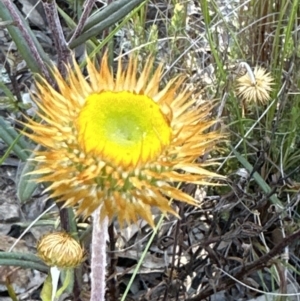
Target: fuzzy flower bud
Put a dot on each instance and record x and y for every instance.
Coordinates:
(60, 249)
(255, 87)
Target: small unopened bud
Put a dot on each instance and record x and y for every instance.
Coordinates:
(60, 249)
(255, 86)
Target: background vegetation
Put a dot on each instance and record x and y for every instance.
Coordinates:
(243, 239)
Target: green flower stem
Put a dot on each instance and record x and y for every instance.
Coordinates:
(10, 289)
(69, 275)
(98, 250)
(67, 220)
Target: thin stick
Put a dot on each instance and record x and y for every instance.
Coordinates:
(98, 250)
(88, 5)
(63, 52)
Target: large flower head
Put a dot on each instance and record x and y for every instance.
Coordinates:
(120, 144)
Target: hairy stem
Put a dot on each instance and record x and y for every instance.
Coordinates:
(98, 250)
(249, 71)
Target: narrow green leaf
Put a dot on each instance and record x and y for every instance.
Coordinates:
(26, 182)
(67, 282)
(258, 178)
(46, 293)
(14, 140)
(104, 18)
(6, 91)
(24, 260)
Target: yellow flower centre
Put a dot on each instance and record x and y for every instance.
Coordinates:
(123, 127)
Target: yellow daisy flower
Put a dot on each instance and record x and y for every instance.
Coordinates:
(120, 143)
(255, 89)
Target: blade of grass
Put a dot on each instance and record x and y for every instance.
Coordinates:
(27, 183)
(258, 179)
(14, 140)
(147, 247)
(212, 43)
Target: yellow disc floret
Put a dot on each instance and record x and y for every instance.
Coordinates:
(123, 128)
